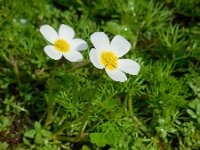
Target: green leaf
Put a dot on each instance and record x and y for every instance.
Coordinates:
(198, 120)
(98, 139)
(112, 27)
(46, 133)
(38, 139)
(26, 141)
(191, 113)
(85, 147)
(198, 109)
(37, 126)
(193, 103)
(30, 133)
(3, 146)
(4, 123)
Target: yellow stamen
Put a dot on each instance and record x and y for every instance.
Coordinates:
(62, 45)
(109, 60)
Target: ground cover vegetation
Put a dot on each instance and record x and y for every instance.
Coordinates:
(49, 105)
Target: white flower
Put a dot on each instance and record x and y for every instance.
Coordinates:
(106, 55)
(63, 43)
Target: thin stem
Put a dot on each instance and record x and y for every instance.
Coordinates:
(66, 125)
(141, 125)
(17, 73)
(78, 65)
(125, 104)
(133, 116)
(130, 103)
(82, 118)
(84, 124)
(83, 137)
(16, 70)
(13, 63)
(178, 58)
(50, 101)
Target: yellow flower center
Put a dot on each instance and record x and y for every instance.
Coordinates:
(62, 45)
(109, 60)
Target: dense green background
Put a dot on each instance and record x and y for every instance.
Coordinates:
(50, 105)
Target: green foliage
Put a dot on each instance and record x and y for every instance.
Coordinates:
(4, 123)
(38, 134)
(85, 147)
(191, 5)
(99, 139)
(48, 105)
(3, 146)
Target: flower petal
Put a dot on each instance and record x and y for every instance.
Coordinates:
(94, 58)
(120, 45)
(52, 53)
(129, 66)
(100, 41)
(116, 75)
(66, 32)
(49, 33)
(73, 56)
(78, 44)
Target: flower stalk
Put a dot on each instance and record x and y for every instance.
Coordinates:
(50, 103)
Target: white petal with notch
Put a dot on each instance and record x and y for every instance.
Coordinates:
(120, 45)
(100, 41)
(73, 56)
(116, 75)
(66, 32)
(49, 33)
(129, 66)
(78, 44)
(95, 58)
(52, 52)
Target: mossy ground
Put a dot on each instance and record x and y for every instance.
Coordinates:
(50, 105)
